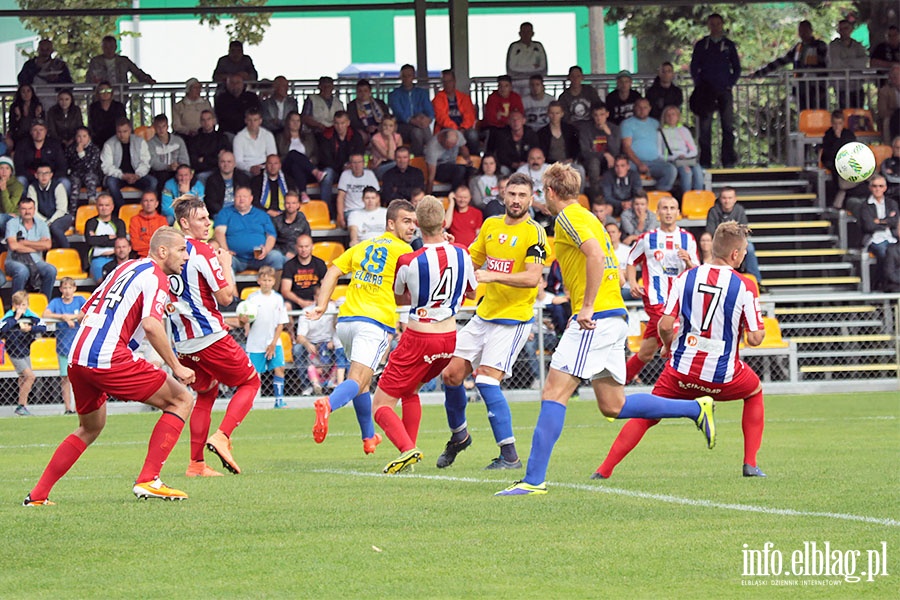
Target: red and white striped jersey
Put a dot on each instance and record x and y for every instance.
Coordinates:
(657, 253)
(111, 328)
(715, 305)
(437, 277)
(194, 316)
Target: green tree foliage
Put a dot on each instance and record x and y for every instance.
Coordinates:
(247, 27)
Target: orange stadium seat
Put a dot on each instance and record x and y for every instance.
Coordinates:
(328, 251)
(860, 122)
(37, 303)
(43, 355)
(3, 265)
(653, 198)
(584, 201)
(245, 293)
(67, 262)
(419, 163)
(145, 131)
(815, 122)
(126, 211)
(696, 203)
(82, 215)
(340, 291)
(316, 212)
(882, 152)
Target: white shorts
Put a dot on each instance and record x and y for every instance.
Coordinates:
(491, 344)
(593, 354)
(364, 342)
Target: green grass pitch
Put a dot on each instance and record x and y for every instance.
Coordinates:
(320, 521)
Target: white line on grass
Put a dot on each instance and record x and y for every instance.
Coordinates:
(788, 512)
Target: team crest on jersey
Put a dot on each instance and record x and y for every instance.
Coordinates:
(170, 308)
(658, 255)
(422, 312)
(691, 341)
(501, 238)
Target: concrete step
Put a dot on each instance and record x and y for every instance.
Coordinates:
(790, 267)
(744, 198)
(793, 239)
(806, 252)
(808, 281)
(790, 225)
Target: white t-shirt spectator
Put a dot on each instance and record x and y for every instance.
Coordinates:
(354, 186)
(369, 223)
(249, 152)
(319, 331)
(270, 313)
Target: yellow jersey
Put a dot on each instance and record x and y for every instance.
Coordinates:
(370, 294)
(507, 249)
(574, 226)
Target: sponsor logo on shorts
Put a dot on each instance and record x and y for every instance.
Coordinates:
(433, 357)
(686, 385)
(500, 265)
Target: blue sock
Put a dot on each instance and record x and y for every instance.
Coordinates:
(498, 409)
(648, 406)
(278, 387)
(546, 432)
(362, 404)
(455, 404)
(343, 394)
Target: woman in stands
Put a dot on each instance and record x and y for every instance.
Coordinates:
(832, 141)
(64, 118)
(383, 145)
(297, 149)
(484, 186)
(26, 107)
(704, 247)
(83, 158)
(678, 147)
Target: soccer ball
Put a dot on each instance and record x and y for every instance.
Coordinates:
(247, 309)
(855, 162)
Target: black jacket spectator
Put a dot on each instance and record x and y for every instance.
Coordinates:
(619, 109)
(52, 153)
(62, 125)
(204, 149)
(230, 110)
(509, 152)
(569, 135)
(661, 97)
(215, 190)
(617, 190)
(400, 184)
(334, 153)
(102, 123)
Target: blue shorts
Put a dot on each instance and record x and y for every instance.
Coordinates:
(262, 365)
(63, 365)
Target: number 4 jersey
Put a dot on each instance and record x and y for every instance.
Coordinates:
(437, 277)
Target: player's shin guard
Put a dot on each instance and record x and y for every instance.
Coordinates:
(412, 416)
(546, 432)
(633, 367)
(162, 441)
(628, 438)
(278, 388)
(362, 404)
(343, 394)
(648, 406)
(455, 405)
(67, 453)
(240, 405)
(200, 420)
(497, 408)
(393, 428)
(752, 424)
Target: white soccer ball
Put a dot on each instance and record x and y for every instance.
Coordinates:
(855, 162)
(247, 309)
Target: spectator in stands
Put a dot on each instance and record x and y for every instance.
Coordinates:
(462, 220)
(484, 186)
(271, 186)
(253, 144)
(205, 145)
(369, 221)
(715, 68)
(413, 109)
(121, 253)
(603, 210)
(298, 151)
(289, 225)
(664, 92)
(167, 151)
(678, 147)
(183, 184)
(808, 53)
(52, 201)
(336, 144)
(535, 103)
(620, 103)
(500, 104)
(248, 233)
(399, 181)
(44, 69)
(63, 118)
(640, 143)
(302, 275)
(727, 208)
(66, 309)
(125, 161)
(233, 103)
(112, 67)
(453, 109)
(878, 218)
(19, 328)
(832, 141)
(187, 112)
(704, 248)
(351, 185)
(103, 114)
(235, 63)
(383, 145)
(891, 271)
(847, 55)
(220, 185)
(535, 168)
(144, 224)
(320, 110)
(600, 142)
(100, 233)
(890, 168)
(83, 158)
(578, 98)
(638, 219)
(39, 148)
(884, 55)
(621, 184)
(25, 109)
(524, 58)
(11, 191)
(366, 112)
(278, 106)
(511, 145)
(497, 206)
(28, 238)
(888, 102)
(622, 251)
(559, 140)
(440, 158)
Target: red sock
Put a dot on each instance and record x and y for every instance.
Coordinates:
(393, 428)
(162, 441)
(412, 417)
(240, 405)
(200, 419)
(752, 424)
(625, 442)
(67, 453)
(633, 367)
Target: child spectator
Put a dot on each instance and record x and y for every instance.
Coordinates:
(319, 347)
(264, 334)
(67, 311)
(18, 328)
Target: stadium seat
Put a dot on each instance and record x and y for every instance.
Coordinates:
(773, 337)
(814, 122)
(882, 152)
(287, 346)
(316, 212)
(340, 291)
(37, 303)
(653, 198)
(328, 251)
(445, 201)
(85, 295)
(860, 122)
(43, 355)
(145, 132)
(584, 201)
(3, 265)
(67, 262)
(419, 163)
(634, 341)
(126, 211)
(2, 310)
(695, 204)
(245, 293)
(82, 215)
(551, 251)
(476, 161)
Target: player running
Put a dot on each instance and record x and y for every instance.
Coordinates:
(512, 248)
(367, 317)
(433, 280)
(202, 341)
(128, 305)
(664, 253)
(715, 305)
(593, 345)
